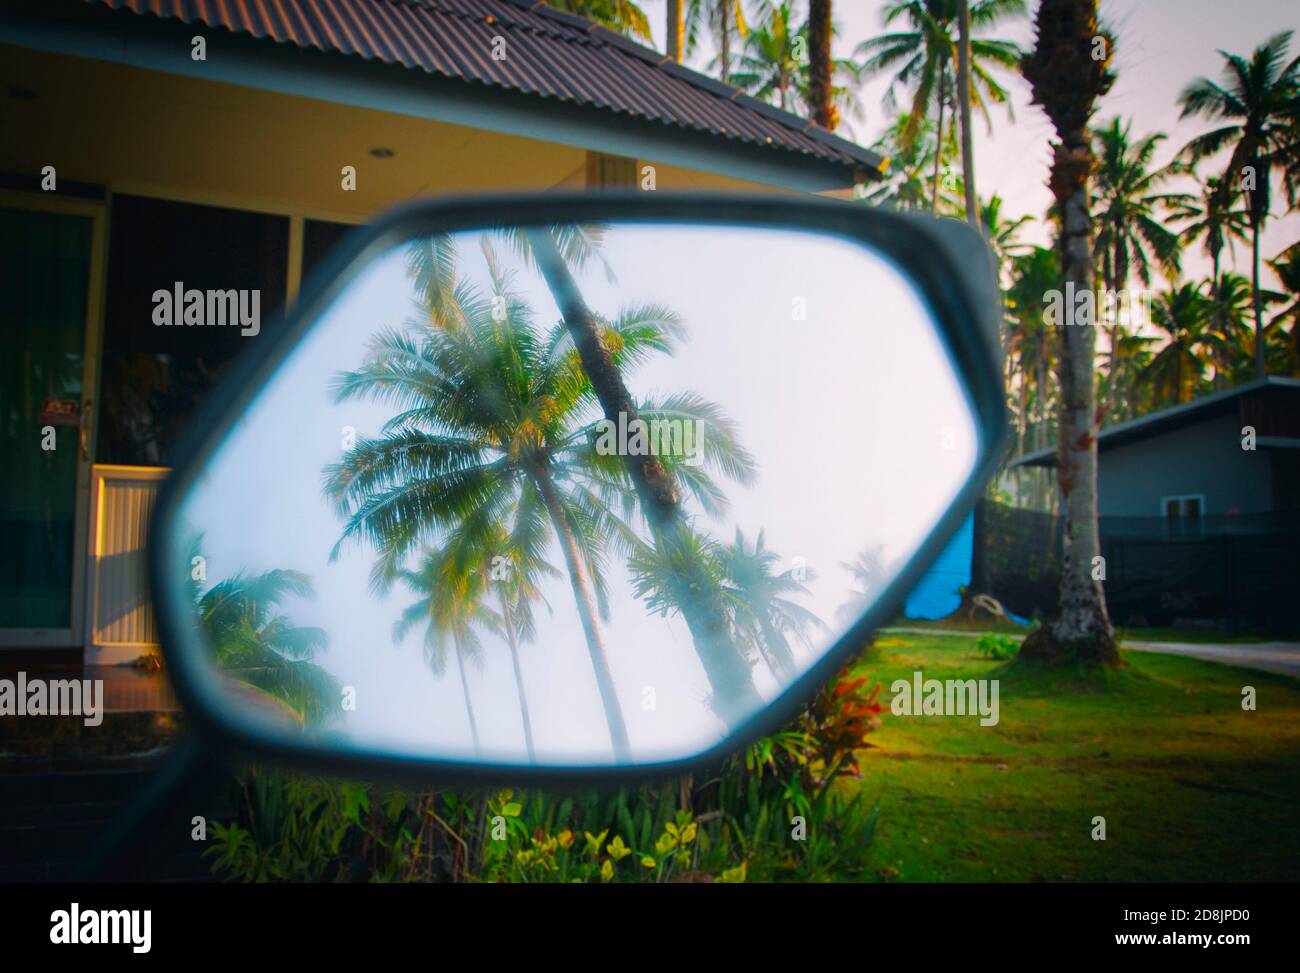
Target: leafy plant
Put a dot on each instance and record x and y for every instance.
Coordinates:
(997, 647)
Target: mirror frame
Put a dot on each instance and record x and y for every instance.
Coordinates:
(947, 261)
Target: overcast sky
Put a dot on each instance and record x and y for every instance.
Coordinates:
(1163, 44)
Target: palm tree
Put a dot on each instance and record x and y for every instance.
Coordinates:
(724, 19)
(1066, 81)
(768, 64)
(675, 30)
(1128, 232)
(1214, 219)
(451, 603)
(1259, 100)
(1001, 234)
(1287, 267)
(740, 577)
(657, 482)
(1230, 306)
(1184, 315)
(762, 610)
(906, 185)
(772, 64)
(1029, 356)
(821, 100)
(925, 56)
(963, 103)
(869, 576)
(622, 16)
(492, 421)
(257, 646)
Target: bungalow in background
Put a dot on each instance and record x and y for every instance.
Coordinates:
(152, 143)
(1200, 518)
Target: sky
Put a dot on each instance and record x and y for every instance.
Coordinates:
(1163, 45)
(832, 393)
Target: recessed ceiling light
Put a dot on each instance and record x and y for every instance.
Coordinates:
(380, 152)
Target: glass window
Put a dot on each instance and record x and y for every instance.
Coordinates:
(318, 239)
(189, 287)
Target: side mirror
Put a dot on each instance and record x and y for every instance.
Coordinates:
(554, 486)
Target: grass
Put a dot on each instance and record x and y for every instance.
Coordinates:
(1192, 787)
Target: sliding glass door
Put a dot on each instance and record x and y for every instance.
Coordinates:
(49, 254)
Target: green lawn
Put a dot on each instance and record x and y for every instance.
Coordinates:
(1192, 787)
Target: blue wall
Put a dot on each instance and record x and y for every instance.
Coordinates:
(935, 595)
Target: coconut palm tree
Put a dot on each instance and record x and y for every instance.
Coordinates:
(1287, 267)
(1128, 231)
(821, 98)
(906, 185)
(741, 577)
(1002, 234)
(1067, 81)
(622, 16)
(1230, 306)
(1257, 104)
(250, 641)
(675, 30)
(867, 569)
(658, 481)
(768, 65)
(924, 58)
(773, 64)
(1184, 315)
(724, 20)
(451, 602)
(494, 419)
(763, 612)
(1214, 219)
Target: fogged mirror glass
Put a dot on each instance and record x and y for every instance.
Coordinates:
(569, 496)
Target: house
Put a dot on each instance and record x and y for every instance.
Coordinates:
(1199, 518)
(225, 147)
(1232, 453)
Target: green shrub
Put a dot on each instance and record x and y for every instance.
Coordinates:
(772, 811)
(997, 647)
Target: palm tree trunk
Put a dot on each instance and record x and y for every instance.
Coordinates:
(734, 696)
(587, 614)
(1068, 85)
(1255, 296)
(724, 29)
(512, 640)
(820, 88)
(469, 705)
(676, 30)
(963, 97)
(938, 142)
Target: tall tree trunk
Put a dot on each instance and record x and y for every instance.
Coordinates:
(724, 41)
(587, 615)
(821, 92)
(676, 30)
(963, 97)
(507, 617)
(469, 706)
(1255, 296)
(734, 696)
(1067, 82)
(938, 141)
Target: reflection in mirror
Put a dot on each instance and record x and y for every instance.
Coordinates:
(571, 495)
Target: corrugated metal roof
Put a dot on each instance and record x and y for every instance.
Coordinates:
(549, 53)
